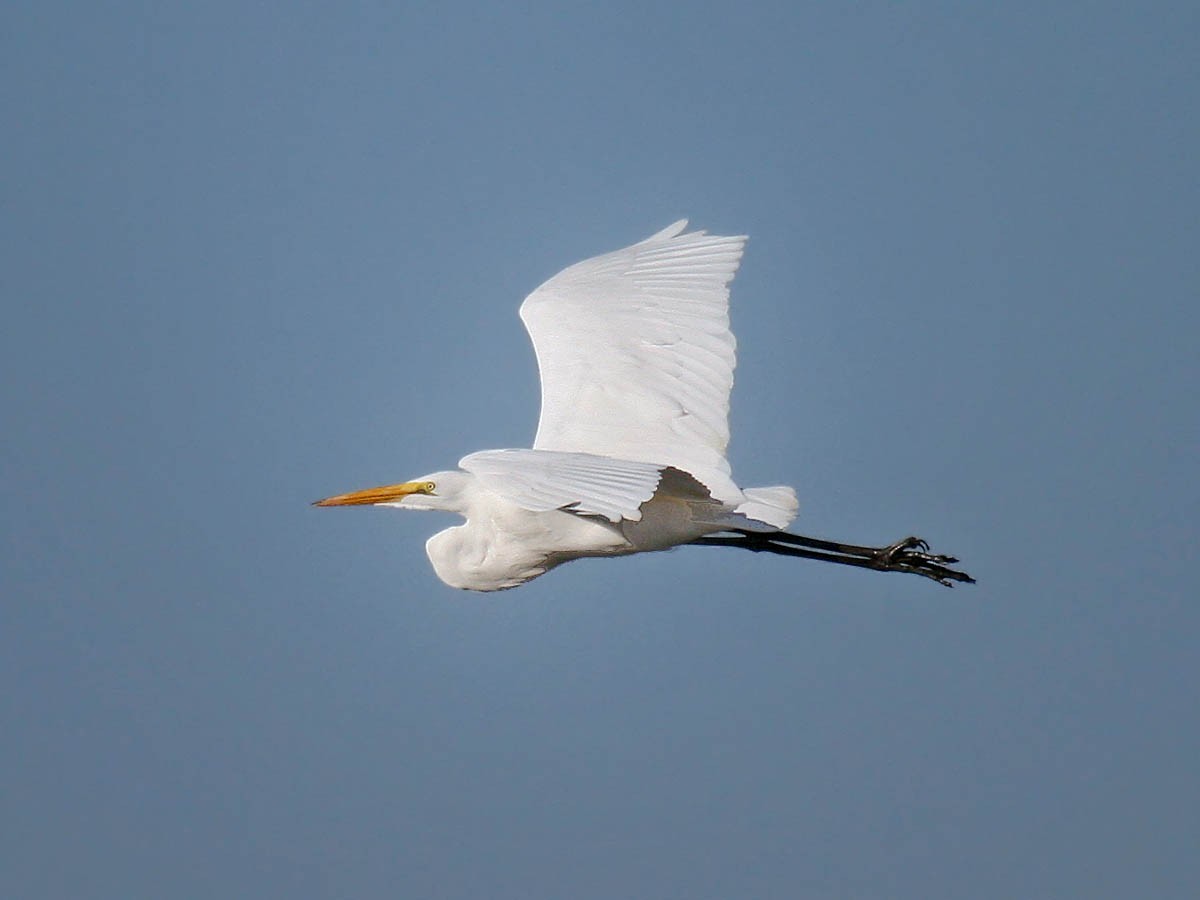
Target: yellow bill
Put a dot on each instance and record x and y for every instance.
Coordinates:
(385, 494)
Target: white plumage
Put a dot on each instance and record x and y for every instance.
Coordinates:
(586, 484)
(636, 361)
(636, 356)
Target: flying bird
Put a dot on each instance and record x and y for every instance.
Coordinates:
(636, 361)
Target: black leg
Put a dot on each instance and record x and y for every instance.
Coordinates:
(908, 555)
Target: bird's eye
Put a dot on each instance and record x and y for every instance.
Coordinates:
(428, 487)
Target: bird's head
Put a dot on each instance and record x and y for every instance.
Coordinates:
(439, 490)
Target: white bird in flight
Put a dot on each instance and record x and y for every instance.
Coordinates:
(636, 361)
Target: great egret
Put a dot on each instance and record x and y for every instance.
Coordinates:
(636, 361)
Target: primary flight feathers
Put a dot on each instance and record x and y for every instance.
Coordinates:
(636, 356)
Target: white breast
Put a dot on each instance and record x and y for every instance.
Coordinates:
(515, 546)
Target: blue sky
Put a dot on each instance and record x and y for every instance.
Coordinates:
(259, 254)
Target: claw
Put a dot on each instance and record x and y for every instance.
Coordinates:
(912, 555)
(901, 548)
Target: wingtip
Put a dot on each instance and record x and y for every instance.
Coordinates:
(673, 230)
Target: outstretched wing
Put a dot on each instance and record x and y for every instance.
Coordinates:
(540, 480)
(636, 356)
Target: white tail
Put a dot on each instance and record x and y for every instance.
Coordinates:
(771, 506)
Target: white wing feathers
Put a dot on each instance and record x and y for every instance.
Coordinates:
(636, 356)
(541, 481)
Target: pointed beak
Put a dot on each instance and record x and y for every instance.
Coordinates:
(385, 494)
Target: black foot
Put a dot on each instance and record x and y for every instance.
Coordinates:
(909, 555)
(912, 555)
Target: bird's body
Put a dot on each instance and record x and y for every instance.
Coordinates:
(636, 361)
(502, 544)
